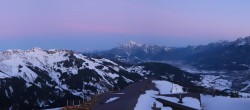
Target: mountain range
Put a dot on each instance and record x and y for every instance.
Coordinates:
(221, 55)
(39, 78)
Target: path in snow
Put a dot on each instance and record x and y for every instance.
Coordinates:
(128, 97)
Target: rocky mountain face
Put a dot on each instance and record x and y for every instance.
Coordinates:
(135, 52)
(38, 78)
(222, 55)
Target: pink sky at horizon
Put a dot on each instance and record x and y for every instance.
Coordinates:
(199, 20)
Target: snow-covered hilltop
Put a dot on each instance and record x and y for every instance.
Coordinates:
(18, 63)
(55, 73)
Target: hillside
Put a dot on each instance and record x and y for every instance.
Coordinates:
(50, 77)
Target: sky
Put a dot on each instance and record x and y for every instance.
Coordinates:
(103, 24)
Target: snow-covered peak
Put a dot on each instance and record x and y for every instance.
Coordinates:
(242, 41)
(167, 49)
(220, 43)
(37, 49)
(133, 51)
(18, 51)
(133, 45)
(130, 44)
(11, 51)
(16, 63)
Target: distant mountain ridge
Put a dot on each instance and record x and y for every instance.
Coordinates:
(221, 55)
(135, 52)
(225, 55)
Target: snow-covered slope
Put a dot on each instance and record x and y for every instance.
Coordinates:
(209, 102)
(38, 78)
(215, 82)
(60, 73)
(166, 87)
(19, 63)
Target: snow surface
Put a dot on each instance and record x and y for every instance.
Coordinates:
(146, 101)
(12, 60)
(166, 108)
(209, 102)
(211, 81)
(192, 102)
(171, 99)
(166, 87)
(112, 99)
(138, 69)
(244, 95)
(246, 87)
